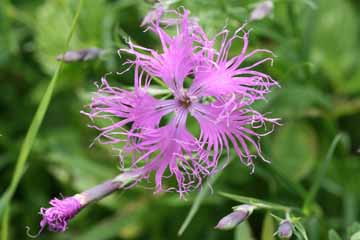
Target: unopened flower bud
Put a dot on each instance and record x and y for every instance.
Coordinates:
(57, 217)
(262, 10)
(231, 220)
(285, 229)
(80, 55)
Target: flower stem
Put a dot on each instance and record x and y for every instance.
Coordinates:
(98, 192)
(57, 217)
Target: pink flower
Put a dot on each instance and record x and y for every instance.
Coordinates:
(219, 98)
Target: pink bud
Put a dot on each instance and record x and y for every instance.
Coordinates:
(233, 219)
(262, 10)
(285, 229)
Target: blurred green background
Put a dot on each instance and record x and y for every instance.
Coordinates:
(317, 44)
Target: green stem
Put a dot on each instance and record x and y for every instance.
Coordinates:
(260, 203)
(35, 124)
(5, 224)
(199, 199)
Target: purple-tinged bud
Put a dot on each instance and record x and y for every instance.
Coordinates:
(58, 216)
(285, 229)
(231, 220)
(262, 10)
(80, 55)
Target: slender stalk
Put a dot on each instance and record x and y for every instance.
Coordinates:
(98, 192)
(200, 198)
(5, 225)
(58, 216)
(34, 127)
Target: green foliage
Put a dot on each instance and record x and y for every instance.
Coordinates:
(333, 235)
(294, 147)
(35, 125)
(316, 43)
(243, 232)
(268, 228)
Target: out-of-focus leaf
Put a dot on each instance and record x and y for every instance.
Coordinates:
(126, 225)
(356, 236)
(335, 41)
(353, 229)
(333, 235)
(214, 15)
(320, 174)
(296, 101)
(294, 150)
(352, 84)
(8, 41)
(300, 231)
(53, 20)
(70, 164)
(268, 228)
(243, 232)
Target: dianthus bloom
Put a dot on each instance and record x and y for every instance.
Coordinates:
(222, 89)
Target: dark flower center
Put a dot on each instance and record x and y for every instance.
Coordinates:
(185, 101)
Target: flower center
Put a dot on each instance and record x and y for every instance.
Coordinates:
(185, 100)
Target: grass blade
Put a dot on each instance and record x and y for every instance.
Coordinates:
(5, 225)
(199, 199)
(259, 203)
(35, 125)
(321, 174)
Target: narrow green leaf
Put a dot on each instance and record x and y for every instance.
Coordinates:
(300, 231)
(259, 203)
(243, 232)
(321, 173)
(268, 228)
(5, 224)
(35, 125)
(199, 199)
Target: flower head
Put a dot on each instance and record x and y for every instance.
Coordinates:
(58, 216)
(222, 88)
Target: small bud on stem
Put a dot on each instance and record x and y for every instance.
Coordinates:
(262, 10)
(285, 229)
(62, 211)
(80, 55)
(235, 218)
